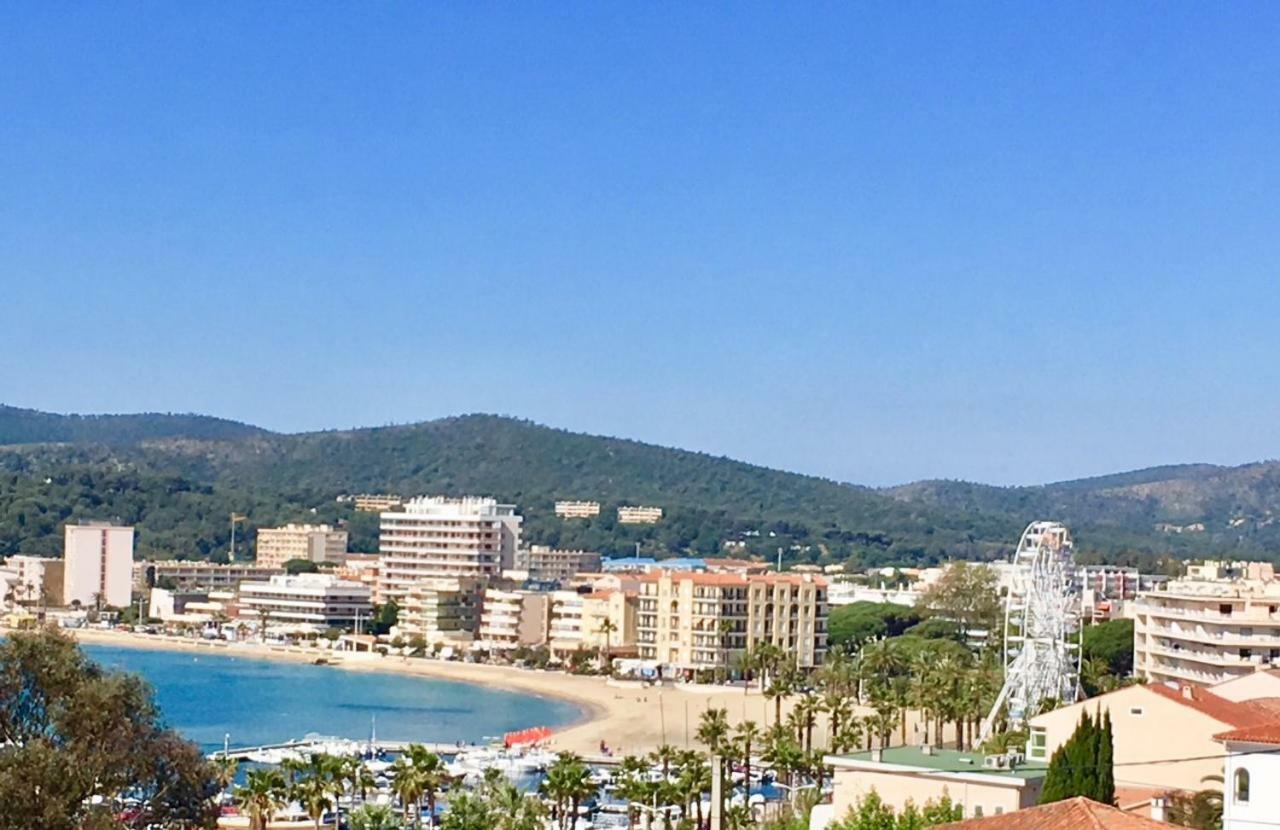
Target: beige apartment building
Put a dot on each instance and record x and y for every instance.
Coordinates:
(577, 509)
(436, 536)
(1205, 632)
(693, 620)
(639, 515)
(97, 565)
(377, 502)
(314, 543)
(555, 565)
(578, 621)
(512, 618)
(37, 580)
(443, 610)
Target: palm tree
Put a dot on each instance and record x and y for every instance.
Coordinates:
(513, 810)
(607, 628)
(407, 783)
(568, 782)
(633, 784)
(782, 752)
(224, 771)
(694, 780)
(806, 711)
(738, 817)
(713, 730)
(836, 705)
(313, 794)
(430, 774)
(467, 812)
(373, 817)
(748, 733)
(664, 755)
(724, 629)
(849, 737)
(262, 795)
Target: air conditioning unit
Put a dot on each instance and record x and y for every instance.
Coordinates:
(996, 762)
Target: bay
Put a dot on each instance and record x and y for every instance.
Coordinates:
(207, 696)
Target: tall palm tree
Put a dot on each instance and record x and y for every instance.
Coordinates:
(407, 784)
(713, 730)
(569, 783)
(312, 793)
(748, 733)
(468, 812)
(431, 775)
(263, 794)
(634, 784)
(836, 704)
(607, 627)
(694, 780)
(665, 755)
(224, 771)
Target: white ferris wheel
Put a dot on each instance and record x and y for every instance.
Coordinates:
(1041, 626)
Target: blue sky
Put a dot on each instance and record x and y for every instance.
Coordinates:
(879, 243)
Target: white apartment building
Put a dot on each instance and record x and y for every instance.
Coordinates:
(314, 543)
(1206, 632)
(577, 509)
(435, 536)
(639, 515)
(1250, 797)
(191, 574)
(442, 610)
(315, 600)
(97, 565)
(37, 580)
(513, 618)
(554, 565)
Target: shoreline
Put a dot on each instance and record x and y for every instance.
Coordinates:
(629, 720)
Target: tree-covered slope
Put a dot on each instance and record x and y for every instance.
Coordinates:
(29, 426)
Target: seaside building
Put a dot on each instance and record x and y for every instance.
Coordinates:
(362, 568)
(314, 543)
(37, 580)
(547, 564)
(694, 620)
(1162, 735)
(315, 600)
(512, 618)
(436, 536)
(577, 509)
(196, 574)
(1207, 631)
(443, 610)
(190, 606)
(97, 565)
(578, 621)
(639, 515)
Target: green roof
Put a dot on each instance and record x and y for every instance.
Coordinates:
(948, 760)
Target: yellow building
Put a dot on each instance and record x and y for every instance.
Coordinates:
(694, 620)
(639, 515)
(577, 509)
(442, 610)
(578, 621)
(314, 543)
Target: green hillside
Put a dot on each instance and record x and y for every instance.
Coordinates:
(178, 478)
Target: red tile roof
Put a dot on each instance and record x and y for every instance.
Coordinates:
(1239, 715)
(1072, 814)
(1263, 733)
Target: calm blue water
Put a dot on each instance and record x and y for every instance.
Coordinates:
(260, 701)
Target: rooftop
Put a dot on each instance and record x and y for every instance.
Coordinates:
(1071, 814)
(1239, 715)
(943, 760)
(1262, 733)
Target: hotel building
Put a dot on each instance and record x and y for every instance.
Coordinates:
(693, 620)
(316, 600)
(314, 543)
(513, 618)
(443, 537)
(37, 580)
(577, 509)
(97, 565)
(1205, 632)
(442, 610)
(639, 515)
(553, 565)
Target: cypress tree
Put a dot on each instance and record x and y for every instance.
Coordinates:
(1074, 767)
(1106, 762)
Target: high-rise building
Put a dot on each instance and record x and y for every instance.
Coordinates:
(314, 543)
(436, 536)
(97, 565)
(513, 618)
(694, 620)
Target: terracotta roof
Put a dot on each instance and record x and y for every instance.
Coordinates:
(732, 579)
(1239, 715)
(1263, 733)
(1072, 814)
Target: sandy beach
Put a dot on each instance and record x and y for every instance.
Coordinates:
(631, 719)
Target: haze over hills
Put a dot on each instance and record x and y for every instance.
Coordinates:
(178, 477)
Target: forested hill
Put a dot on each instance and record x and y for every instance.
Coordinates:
(30, 426)
(178, 478)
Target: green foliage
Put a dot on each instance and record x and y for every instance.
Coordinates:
(849, 626)
(1112, 642)
(300, 566)
(374, 817)
(965, 595)
(871, 813)
(1083, 765)
(78, 738)
(384, 617)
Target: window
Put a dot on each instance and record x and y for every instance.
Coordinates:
(1242, 786)
(1036, 748)
(1136, 711)
(977, 811)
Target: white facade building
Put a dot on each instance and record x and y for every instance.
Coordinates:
(436, 536)
(316, 600)
(577, 509)
(314, 543)
(1250, 795)
(97, 565)
(639, 515)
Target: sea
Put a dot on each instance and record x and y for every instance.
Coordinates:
(210, 698)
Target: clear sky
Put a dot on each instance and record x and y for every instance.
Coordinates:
(878, 242)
